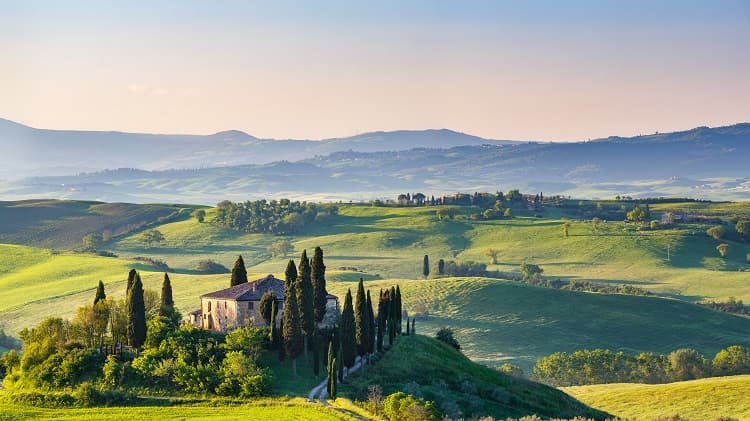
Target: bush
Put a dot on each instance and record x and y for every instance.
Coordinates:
(688, 364)
(511, 370)
(732, 360)
(211, 267)
(446, 335)
(400, 406)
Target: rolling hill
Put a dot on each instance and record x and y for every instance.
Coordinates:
(704, 399)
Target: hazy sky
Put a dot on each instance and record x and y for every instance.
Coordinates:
(506, 70)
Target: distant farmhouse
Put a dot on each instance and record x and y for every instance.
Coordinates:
(239, 306)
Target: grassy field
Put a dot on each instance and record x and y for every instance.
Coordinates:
(497, 321)
(296, 409)
(705, 399)
(461, 388)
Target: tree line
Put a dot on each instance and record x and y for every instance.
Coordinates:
(275, 217)
(605, 366)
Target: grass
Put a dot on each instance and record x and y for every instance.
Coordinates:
(504, 321)
(268, 409)
(426, 366)
(704, 399)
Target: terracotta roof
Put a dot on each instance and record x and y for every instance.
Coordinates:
(253, 291)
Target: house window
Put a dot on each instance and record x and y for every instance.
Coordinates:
(209, 306)
(225, 305)
(250, 305)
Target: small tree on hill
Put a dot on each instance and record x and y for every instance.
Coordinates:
(446, 335)
(595, 222)
(426, 266)
(723, 249)
(92, 242)
(566, 229)
(716, 232)
(280, 248)
(200, 215)
(100, 295)
(743, 228)
(530, 271)
(492, 254)
(152, 237)
(266, 305)
(441, 267)
(239, 273)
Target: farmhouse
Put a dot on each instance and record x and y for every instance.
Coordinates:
(239, 305)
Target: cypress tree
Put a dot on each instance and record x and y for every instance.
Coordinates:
(361, 323)
(334, 380)
(347, 335)
(280, 340)
(290, 276)
(136, 309)
(441, 267)
(316, 355)
(399, 309)
(318, 275)
(407, 326)
(392, 317)
(426, 266)
(371, 325)
(166, 293)
(239, 273)
(273, 335)
(330, 367)
(131, 279)
(100, 295)
(414, 320)
(292, 328)
(339, 366)
(305, 299)
(266, 305)
(382, 318)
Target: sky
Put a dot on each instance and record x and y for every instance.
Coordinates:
(526, 70)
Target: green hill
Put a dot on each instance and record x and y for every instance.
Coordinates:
(498, 321)
(705, 399)
(424, 366)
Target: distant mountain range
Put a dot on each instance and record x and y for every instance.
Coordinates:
(704, 162)
(41, 152)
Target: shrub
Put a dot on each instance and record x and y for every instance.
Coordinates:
(445, 334)
(211, 267)
(400, 406)
(511, 370)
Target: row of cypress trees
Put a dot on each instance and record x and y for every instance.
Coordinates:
(135, 306)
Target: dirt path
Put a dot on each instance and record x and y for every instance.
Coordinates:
(321, 393)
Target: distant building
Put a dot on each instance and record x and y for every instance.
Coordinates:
(669, 218)
(239, 306)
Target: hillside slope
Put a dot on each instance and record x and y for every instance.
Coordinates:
(424, 366)
(704, 399)
(504, 321)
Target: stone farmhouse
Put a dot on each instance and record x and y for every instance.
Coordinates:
(239, 306)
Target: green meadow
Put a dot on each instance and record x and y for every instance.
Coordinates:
(704, 399)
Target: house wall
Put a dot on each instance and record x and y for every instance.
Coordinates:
(222, 315)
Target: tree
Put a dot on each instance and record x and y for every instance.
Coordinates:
(92, 241)
(200, 215)
(492, 254)
(316, 354)
(508, 213)
(347, 332)
(636, 215)
(318, 275)
(290, 276)
(392, 310)
(530, 271)
(731, 361)
(331, 384)
(426, 266)
(399, 309)
(280, 248)
(595, 222)
(131, 280)
(441, 267)
(445, 334)
(136, 314)
(100, 295)
(292, 328)
(305, 299)
(266, 305)
(383, 308)
(723, 249)
(743, 227)
(688, 364)
(413, 329)
(654, 225)
(152, 237)
(273, 334)
(166, 292)
(566, 229)
(361, 323)
(716, 232)
(371, 325)
(239, 273)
